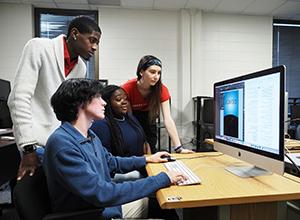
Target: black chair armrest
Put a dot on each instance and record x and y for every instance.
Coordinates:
(91, 214)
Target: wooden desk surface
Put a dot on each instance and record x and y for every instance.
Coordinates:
(220, 187)
(292, 145)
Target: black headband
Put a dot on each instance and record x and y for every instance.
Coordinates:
(152, 62)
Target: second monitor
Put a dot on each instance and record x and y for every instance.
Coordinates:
(249, 120)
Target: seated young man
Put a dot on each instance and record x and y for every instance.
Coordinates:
(79, 169)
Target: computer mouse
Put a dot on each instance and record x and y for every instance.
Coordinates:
(169, 158)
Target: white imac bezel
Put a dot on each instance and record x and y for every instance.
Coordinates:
(262, 160)
(266, 163)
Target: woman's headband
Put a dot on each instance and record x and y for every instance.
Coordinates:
(151, 62)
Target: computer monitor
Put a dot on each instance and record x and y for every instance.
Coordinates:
(249, 121)
(286, 113)
(5, 120)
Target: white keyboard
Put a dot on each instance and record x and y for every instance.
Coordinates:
(179, 166)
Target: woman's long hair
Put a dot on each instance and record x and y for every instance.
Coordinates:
(155, 94)
(117, 141)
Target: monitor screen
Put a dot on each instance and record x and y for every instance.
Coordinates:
(249, 118)
(5, 120)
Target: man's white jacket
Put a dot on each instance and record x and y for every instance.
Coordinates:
(39, 74)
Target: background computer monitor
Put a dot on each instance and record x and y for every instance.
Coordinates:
(249, 120)
(286, 113)
(5, 120)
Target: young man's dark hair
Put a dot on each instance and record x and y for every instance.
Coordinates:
(84, 25)
(77, 92)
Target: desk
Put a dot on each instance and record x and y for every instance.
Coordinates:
(292, 145)
(255, 197)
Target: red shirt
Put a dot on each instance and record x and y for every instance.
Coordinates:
(69, 65)
(137, 101)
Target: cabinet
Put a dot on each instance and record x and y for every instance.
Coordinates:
(203, 121)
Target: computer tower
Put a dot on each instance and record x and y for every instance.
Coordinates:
(203, 121)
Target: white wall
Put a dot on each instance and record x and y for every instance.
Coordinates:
(196, 48)
(231, 46)
(16, 25)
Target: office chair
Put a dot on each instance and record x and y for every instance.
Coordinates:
(32, 201)
(297, 132)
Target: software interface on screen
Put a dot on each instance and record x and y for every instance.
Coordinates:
(247, 112)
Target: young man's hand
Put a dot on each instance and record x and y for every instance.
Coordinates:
(29, 163)
(176, 177)
(157, 157)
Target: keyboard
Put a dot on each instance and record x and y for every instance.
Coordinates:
(179, 166)
(292, 144)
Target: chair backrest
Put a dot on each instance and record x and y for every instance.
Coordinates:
(31, 196)
(295, 114)
(297, 133)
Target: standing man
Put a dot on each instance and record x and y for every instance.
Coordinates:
(43, 66)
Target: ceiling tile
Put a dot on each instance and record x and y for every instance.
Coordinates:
(263, 7)
(285, 9)
(112, 3)
(288, 9)
(10, 1)
(202, 4)
(232, 6)
(142, 4)
(94, 7)
(45, 5)
(169, 4)
(73, 6)
(71, 1)
(37, 1)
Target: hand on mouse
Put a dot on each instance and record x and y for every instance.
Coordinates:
(169, 158)
(158, 157)
(176, 177)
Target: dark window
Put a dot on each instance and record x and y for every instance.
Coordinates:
(50, 23)
(286, 50)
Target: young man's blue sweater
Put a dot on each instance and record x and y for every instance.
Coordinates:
(79, 171)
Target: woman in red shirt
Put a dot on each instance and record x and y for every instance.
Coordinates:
(147, 94)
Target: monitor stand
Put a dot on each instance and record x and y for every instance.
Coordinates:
(247, 171)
